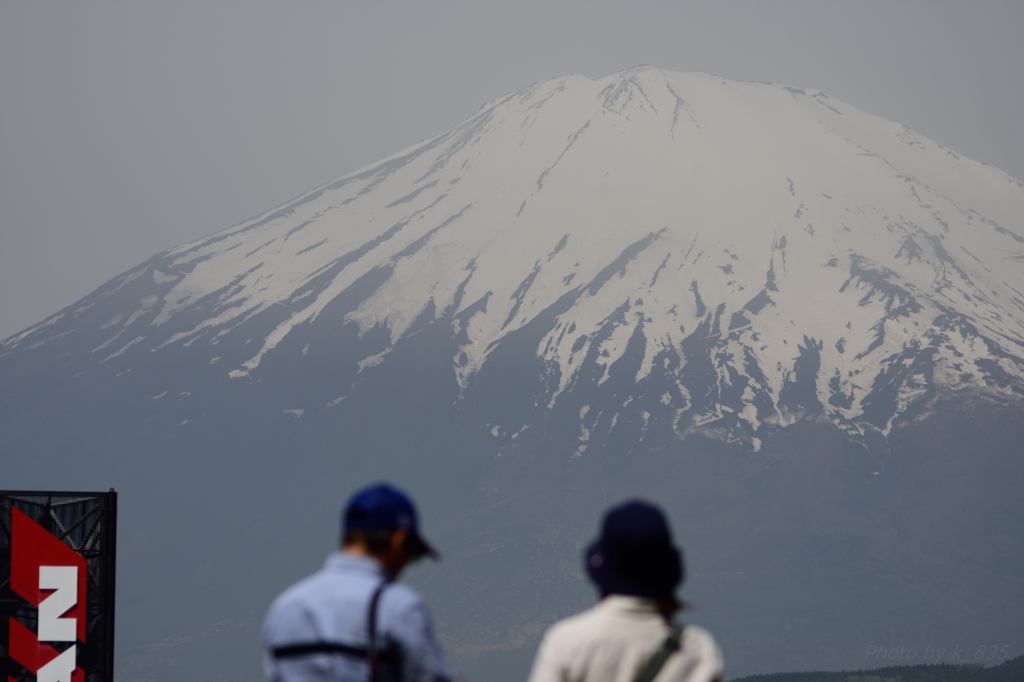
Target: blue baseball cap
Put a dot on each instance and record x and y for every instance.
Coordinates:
(384, 507)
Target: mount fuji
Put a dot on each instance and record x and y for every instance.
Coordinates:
(797, 326)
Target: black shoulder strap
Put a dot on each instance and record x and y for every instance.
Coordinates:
(371, 634)
(321, 647)
(657, 661)
(297, 650)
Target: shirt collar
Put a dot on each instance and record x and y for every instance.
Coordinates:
(628, 604)
(351, 563)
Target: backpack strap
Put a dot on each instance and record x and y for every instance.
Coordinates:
(310, 648)
(657, 661)
(372, 652)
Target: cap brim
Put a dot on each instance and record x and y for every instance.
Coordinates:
(421, 548)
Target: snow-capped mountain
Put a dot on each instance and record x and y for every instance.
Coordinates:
(777, 233)
(798, 325)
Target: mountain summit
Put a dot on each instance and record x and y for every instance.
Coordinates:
(714, 293)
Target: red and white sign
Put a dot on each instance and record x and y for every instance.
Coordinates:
(52, 577)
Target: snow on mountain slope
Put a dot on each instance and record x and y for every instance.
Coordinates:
(777, 231)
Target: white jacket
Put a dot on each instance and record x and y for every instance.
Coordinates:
(612, 641)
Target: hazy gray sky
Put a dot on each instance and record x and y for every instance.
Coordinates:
(129, 128)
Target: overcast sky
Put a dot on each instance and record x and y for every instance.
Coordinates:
(130, 128)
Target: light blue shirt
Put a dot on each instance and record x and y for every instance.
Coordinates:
(332, 606)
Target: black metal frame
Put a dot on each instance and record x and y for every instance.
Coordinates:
(87, 523)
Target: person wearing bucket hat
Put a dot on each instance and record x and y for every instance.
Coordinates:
(350, 621)
(629, 635)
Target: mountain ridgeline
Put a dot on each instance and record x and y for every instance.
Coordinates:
(797, 326)
(1008, 671)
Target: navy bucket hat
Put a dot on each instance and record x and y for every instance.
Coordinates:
(383, 507)
(634, 554)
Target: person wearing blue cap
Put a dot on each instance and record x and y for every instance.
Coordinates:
(350, 621)
(629, 635)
